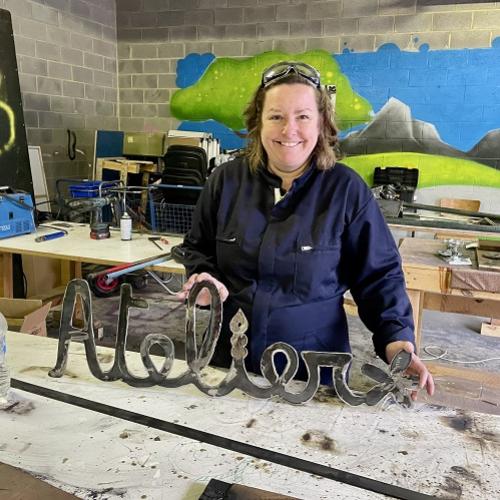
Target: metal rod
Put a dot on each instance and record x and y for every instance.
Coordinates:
(441, 224)
(136, 267)
(147, 260)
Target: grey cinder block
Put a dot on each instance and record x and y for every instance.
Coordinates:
(229, 16)
(323, 10)
(83, 75)
(73, 89)
(59, 70)
(46, 85)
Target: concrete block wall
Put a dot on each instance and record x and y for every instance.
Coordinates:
(111, 64)
(67, 61)
(154, 34)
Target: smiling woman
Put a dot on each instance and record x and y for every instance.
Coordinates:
(285, 230)
(290, 129)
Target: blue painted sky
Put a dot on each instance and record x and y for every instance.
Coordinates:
(456, 90)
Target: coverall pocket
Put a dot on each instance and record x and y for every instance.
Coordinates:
(227, 249)
(316, 271)
(230, 255)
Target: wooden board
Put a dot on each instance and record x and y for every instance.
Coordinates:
(491, 329)
(488, 260)
(17, 484)
(488, 255)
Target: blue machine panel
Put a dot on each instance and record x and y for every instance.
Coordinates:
(16, 214)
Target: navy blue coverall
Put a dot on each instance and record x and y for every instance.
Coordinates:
(287, 264)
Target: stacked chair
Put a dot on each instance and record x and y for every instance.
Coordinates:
(172, 202)
(184, 166)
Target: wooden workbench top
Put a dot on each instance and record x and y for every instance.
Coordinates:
(79, 247)
(422, 251)
(427, 449)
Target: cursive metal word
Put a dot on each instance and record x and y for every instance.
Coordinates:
(389, 387)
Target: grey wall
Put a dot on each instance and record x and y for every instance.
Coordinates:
(66, 55)
(154, 34)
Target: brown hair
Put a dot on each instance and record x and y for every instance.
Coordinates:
(324, 151)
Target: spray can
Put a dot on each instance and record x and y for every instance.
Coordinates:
(126, 227)
(4, 371)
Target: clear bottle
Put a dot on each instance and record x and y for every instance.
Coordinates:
(4, 371)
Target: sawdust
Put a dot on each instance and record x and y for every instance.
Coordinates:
(251, 423)
(104, 357)
(460, 422)
(261, 465)
(465, 473)
(326, 395)
(44, 370)
(465, 423)
(18, 405)
(319, 439)
(452, 487)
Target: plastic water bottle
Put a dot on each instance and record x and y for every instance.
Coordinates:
(4, 371)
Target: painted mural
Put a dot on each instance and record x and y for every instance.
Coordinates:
(438, 110)
(15, 169)
(7, 121)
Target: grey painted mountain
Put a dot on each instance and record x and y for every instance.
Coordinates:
(393, 129)
(487, 150)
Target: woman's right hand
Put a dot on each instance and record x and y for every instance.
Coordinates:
(203, 298)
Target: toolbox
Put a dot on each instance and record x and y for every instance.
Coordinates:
(403, 179)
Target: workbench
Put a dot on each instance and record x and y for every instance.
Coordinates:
(430, 283)
(125, 167)
(77, 247)
(173, 441)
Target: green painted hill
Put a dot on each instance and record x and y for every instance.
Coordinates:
(226, 87)
(433, 170)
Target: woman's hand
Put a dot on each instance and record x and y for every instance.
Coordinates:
(203, 298)
(416, 368)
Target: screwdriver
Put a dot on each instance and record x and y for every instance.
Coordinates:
(50, 236)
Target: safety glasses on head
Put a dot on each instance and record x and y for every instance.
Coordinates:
(283, 69)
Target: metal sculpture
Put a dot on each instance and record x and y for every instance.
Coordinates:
(391, 387)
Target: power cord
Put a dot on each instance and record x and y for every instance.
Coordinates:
(441, 354)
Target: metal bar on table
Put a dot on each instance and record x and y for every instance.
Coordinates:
(136, 267)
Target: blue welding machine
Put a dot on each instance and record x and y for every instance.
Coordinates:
(16, 213)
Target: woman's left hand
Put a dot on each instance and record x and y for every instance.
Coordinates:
(416, 368)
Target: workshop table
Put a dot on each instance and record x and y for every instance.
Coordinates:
(95, 453)
(77, 247)
(434, 284)
(426, 273)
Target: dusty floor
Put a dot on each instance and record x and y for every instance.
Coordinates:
(467, 375)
